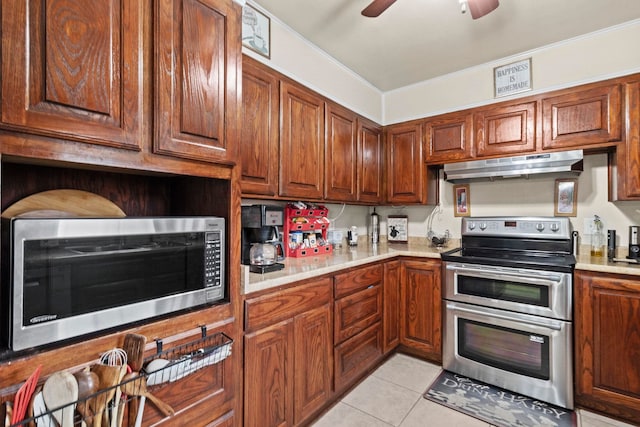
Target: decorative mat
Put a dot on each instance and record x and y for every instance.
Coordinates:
(495, 405)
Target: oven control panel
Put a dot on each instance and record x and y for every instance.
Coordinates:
(536, 227)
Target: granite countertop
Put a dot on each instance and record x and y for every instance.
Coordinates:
(297, 269)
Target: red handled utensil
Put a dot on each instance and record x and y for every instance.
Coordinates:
(23, 396)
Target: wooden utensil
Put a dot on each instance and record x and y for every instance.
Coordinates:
(88, 383)
(43, 419)
(109, 377)
(133, 345)
(138, 387)
(61, 390)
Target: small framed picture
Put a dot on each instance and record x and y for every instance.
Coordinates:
(566, 197)
(397, 228)
(256, 31)
(461, 200)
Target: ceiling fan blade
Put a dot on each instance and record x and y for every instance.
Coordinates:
(376, 8)
(479, 8)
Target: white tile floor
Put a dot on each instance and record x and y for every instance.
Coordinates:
(392, 396)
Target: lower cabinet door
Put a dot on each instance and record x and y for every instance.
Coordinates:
(357, 354)
(268, 391)
(420, 310)
(313, 364)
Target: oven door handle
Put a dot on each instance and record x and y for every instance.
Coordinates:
(547, 323)
(546, 280)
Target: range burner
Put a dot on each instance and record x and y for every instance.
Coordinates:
(527, 242)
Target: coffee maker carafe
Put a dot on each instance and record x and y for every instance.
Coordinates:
(260, 227)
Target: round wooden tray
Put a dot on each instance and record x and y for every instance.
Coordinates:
(63, 203)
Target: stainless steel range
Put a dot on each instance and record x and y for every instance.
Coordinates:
(508, 306)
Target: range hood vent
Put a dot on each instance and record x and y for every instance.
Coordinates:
(515, 167)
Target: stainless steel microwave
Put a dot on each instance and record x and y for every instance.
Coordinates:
(74, 276)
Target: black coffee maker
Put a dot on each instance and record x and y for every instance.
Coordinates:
(260, 225)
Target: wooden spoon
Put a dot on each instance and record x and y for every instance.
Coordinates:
(60, 390)
(108, 376)
(88, 383)
(138, 387)
(133, 345)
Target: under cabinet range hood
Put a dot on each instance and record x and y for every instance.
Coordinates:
(516, 166)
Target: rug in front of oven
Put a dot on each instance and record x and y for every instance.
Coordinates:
(495, 405)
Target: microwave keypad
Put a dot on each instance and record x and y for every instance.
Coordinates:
(212, 261)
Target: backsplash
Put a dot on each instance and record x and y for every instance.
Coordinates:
(516, 197)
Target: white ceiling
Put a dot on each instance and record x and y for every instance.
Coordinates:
(416, 40)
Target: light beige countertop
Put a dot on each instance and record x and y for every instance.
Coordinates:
(297, 269)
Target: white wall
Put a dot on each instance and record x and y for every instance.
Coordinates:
(598, 56)
(295, 57)
(517, 197)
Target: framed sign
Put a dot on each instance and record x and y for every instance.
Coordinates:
(512, 78)
(566, 197)
(398, 228)
(256, 31)
(461, 200)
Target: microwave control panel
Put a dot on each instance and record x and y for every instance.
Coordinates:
(213, 268)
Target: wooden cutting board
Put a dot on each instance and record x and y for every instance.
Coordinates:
(63, 203)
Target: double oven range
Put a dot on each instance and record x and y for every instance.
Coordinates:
(508, 306)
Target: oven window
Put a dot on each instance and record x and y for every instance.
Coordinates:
(504, 348)
(525, 293)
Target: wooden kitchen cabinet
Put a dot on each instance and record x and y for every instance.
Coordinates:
(260, 130)
(288, 354)
(628, 154)
(341, 154)
(197, 75)
(581, 117)
(607, 344)
(391, 310)
(420, 308)
(449, 137)
(370, 162)
(358, 323)
(302, 139)
(74, 70)
(405, 166)
(505, 129)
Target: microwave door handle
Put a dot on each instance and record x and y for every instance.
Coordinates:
(550, 324)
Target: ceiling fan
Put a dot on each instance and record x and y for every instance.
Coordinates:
(478, 8)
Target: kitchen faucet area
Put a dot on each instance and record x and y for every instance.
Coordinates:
(268, 213)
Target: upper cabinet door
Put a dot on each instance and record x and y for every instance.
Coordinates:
(370, 162)
(260, 130)
(579, 118)
(448, 138)
(627, 184)
(341, 155)
(74, 70)
(405, 165)
(507, 129)
(301, 142)
(197, 71)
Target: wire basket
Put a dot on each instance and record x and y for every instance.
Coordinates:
(109, 406)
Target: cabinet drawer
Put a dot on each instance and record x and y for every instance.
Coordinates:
(356, 355)
(361, 278)
(356, 312)
(269, 309)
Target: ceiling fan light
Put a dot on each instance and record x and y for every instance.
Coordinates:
(463, 6)
(479, 8)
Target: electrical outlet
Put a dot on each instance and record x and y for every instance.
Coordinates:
(588, 226)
